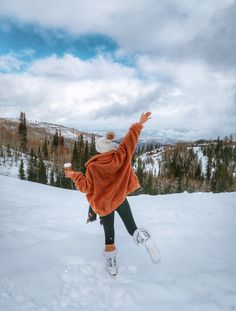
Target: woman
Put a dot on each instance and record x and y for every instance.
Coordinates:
(109, 179)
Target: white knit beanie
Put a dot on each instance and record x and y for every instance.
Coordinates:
(106, 144)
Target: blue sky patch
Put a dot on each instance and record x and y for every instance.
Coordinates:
(16, 37)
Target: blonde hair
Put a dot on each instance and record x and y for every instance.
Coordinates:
(110, 135)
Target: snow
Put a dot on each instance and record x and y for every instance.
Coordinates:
(9, 165)
(52, 260)
(152, 160)
(67, 132)
(202, 158)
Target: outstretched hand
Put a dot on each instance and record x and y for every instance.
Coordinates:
(68, 173)
(145, 117)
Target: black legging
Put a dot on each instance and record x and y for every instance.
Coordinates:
(108, 222)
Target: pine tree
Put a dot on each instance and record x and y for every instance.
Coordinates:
(198, 171)
(45, 149)
(150, 189)
(179, 185)
(140, 172)
(66, 182)
(80, 150)
(21, 170)
(60, 139)
(81, 145)
(92, 150)
(1, 152)
(39, 151)
(32, 167)
(55, 140)
(8, 151)
(85, 157)
(22, 132)
(58, 182)
(63, 182)
(75, 158)
(208, 170)
(42, 173)
(52, 181)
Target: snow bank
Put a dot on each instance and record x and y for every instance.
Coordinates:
(51, 260)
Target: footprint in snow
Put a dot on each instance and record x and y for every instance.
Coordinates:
(87, 283)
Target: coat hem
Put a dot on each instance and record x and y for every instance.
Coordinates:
(118, 203)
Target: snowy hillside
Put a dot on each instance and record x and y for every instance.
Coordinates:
(154, 159)
(51, 260)
(148, 136)
(43, 128)
(9, 164)
(67, 132)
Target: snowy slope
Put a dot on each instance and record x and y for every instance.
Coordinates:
(45, 128)
(154, 159)
(147, 136)
(51, 260)
(9, 165)
(150, 136)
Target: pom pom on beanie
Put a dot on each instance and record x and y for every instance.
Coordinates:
(106, 144)
(110, 135)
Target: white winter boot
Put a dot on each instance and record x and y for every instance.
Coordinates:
(142, 237)
(111, 264)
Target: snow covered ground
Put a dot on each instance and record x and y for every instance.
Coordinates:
(9, 165)
(51, 260)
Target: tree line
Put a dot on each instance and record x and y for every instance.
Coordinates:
(178, 168)
(46, 164)
(181, 169)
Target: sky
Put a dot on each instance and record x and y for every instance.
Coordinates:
(97, 65)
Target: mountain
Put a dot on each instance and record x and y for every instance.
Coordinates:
(51, 260)
(161, 168)
(38, 130)
(154, 159)
(161, 137)
(150, 136)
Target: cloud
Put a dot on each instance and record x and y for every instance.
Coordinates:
(199, 97)
(145, 26)
(18, 37)
(99, 93)
(170, 29)
(174, 58)
(54, 87)
(9, 63)
(217, 44)
(148, 100)
(73, 68)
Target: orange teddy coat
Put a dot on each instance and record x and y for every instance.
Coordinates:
(109, 176)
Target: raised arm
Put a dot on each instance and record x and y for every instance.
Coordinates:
(129, 142)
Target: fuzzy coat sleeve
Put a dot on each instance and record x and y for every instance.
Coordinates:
(82, 182)
(127, 146)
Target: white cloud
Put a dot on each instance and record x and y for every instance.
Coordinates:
(201, 99)
(136, 25)
(9, 62)
(73, 68)
(75, 89)
(99, 93)
(177, 40)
